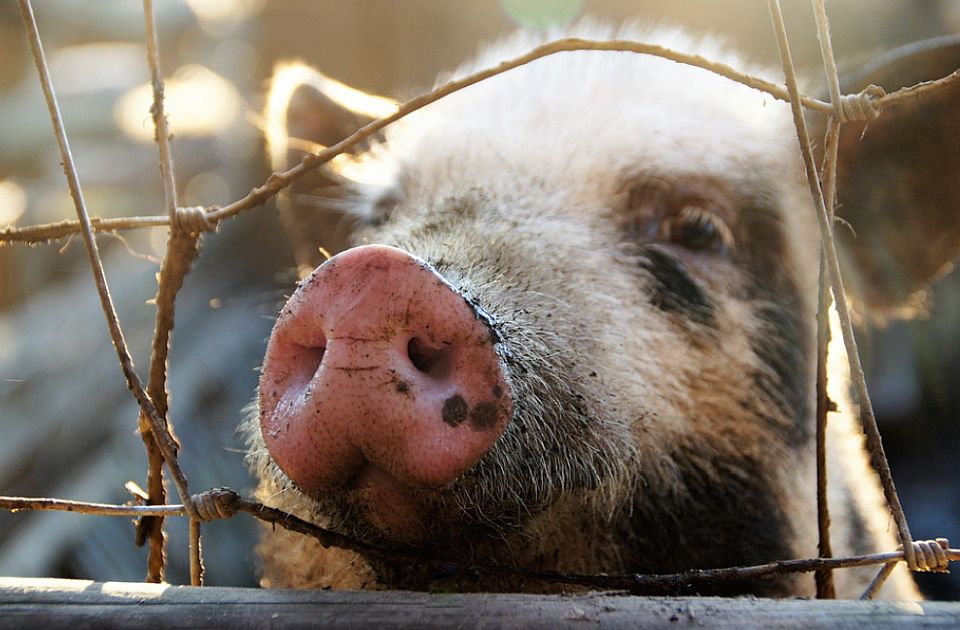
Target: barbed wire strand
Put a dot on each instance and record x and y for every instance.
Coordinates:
(46, 232)
(182, 248)
(17, 504)
(867, 418)
(828, 171)
(161, 129)
(220, 503)
(932, 555)
(825, 588)
(279, 180)
(164, 440)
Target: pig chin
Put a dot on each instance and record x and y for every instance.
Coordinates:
(380, 510)
(397, 513)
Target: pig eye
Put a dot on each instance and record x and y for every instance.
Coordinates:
(698, 228)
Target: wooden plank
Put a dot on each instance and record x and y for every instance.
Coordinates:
(78, 604)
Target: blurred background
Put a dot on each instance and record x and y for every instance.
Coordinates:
(67, 420)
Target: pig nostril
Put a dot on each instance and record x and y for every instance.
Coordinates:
(306, 362)
(434, 362)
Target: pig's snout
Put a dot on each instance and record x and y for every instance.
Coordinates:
(378, 369)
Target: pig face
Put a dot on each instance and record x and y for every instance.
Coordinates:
(584, 339)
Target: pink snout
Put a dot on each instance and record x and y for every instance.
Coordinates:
(377, 368)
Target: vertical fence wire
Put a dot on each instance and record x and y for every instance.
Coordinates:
(182, 247)
(165, 442)
(867, 418)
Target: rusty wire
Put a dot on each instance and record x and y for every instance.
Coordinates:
(280, 180)
(164, 440)
(867, 418)
(182, 247)
(221, 503)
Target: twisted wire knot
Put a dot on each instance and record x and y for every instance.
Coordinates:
(931, 555)
(862, 106)
(215, 504)
(194, 219)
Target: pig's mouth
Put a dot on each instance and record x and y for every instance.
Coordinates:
(380, 510)
(389, 506)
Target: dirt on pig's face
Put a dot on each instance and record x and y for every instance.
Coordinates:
(638, 236)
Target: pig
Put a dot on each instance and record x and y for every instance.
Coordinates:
(572, 323)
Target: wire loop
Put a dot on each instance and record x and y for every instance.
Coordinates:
(215, 504)
(931, 555)
(194, 219)
(863, 106)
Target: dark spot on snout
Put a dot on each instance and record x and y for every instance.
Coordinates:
(497, 391)
(483, 416)
(675, 291)
(403, 387)
(455, 410)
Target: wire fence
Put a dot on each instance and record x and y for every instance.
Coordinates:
(187, 226)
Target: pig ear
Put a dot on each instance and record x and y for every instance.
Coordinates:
(898, 181)
(307, 111)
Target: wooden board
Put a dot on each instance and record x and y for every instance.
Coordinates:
(77, 604)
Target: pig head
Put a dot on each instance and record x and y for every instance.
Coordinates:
(575, 330)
